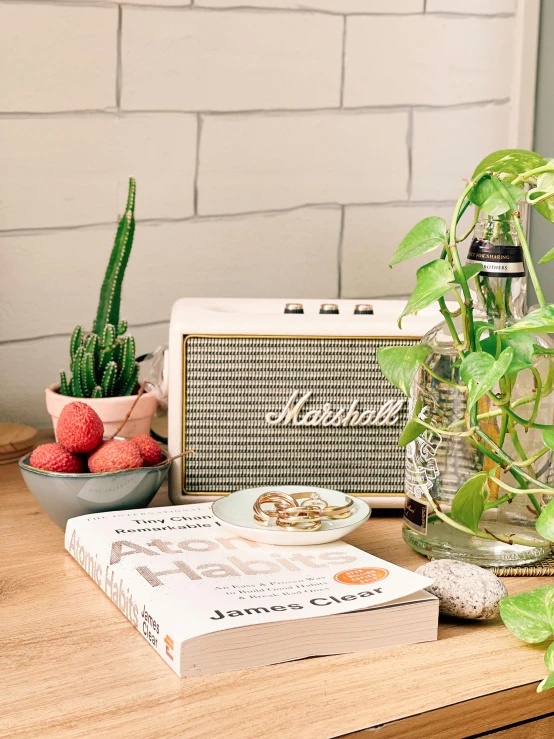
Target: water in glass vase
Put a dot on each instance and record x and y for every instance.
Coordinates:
(438, 464)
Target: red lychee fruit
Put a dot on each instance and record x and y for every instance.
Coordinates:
(114, 455)
(79, 428)
(54, 458)
(150, 449)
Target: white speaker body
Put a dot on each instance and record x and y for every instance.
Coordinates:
(270, 398)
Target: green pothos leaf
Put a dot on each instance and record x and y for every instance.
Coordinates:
(434, 280)
(545, 522)
(549, 604)
(540, 321)
(548, 439)
(480, 372)
(522, 344)
(509, 162)
(542, 351)
(542, 197)
(493, 201)
(413, 428)
(526, 616)
(549, 657)
(546, 684)
(482, 326)
(469, 502)
(423, 237)
(400, 363)
(548, 257)
(470, 271)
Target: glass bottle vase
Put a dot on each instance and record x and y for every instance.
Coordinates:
(439, 464)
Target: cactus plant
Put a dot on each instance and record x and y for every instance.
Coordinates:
(102, 361)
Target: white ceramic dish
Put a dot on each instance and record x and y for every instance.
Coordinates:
(235, 513)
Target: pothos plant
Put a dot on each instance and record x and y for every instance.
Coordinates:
(489, 358)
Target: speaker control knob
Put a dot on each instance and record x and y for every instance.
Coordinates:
(364, 309)
(294, 308)
(331, 308)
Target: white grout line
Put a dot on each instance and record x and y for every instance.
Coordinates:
(339, 252)
(410, 146)
(119, 68)
(343, 62)
(458, 14)
(199, 124)
(44, 337)
(360, 110)
(46, 230)
(192, 7)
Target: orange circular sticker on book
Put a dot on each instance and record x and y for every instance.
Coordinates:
(361, 575)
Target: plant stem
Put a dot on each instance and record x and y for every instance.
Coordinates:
(450, 323)
(521, 451)
(492, 414)
(510, 463)
(532, 172)
(481, 534)
(442, 379)
(499, 501)
(517, 418)
(499, 185)
(487, 452)
(538, 392)
(455, 257)
(517, 491)
(531, 460)
(444, 432)
(503, 429)
(529, 260)
(474, 221)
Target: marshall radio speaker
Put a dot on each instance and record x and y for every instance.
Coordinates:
(275, 392)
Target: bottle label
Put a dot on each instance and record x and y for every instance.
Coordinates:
(497, 261)
(416, 514)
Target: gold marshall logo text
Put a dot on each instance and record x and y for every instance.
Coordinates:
(386, 415)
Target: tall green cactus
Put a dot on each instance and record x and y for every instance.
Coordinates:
(110, 294)
(103, 360)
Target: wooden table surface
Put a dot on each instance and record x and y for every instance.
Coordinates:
(71, 665)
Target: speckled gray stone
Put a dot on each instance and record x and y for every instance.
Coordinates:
(464, 590)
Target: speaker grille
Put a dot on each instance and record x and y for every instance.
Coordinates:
(231, 383)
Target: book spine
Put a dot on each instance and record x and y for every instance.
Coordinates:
(93, 554)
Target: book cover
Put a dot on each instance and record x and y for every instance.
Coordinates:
(177, 574)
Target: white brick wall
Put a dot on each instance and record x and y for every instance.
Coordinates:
(465, 67)
(368, 229)
(291, 253)
(57, 58)
(484, 7)
(281, 148)
(72, 170)
(230, 60)
(447, 141)
(266, 162)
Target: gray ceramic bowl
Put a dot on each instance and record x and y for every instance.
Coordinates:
(63, 496)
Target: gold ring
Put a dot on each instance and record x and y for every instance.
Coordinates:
(306, 519)
(310, 500)
(338, 511)
(304, 511)
(297, 518)
(305, 525)
(281, 501)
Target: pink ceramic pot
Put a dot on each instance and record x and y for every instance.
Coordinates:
(112, 411)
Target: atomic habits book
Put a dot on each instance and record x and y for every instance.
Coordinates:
(208, 601)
